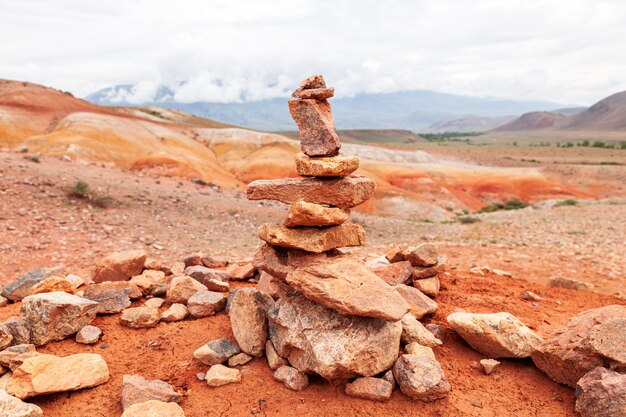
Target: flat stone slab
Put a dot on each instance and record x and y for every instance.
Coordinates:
(303, 213)
(344, 192)
(313, 239)
(325, 166)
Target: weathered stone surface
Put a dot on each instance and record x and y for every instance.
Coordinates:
(13, 356)
(88, 335)
(56, 315)
(182, 288)
(18, 329)
(147, 281)
(344, 192)
(3, 301)
(11, 406)
(437, 330)
(292, 378)
(302, 213)
(368, 388)
(429, 286)
(155, 302)
(140, 317)
(274, 360)
(241, 270)
(313, 239)
(239, 359)
(498, 335)
(157, 265)
(421, 272)
(317, 339)
(248, 321)
(113, 297)
(213, 279)
(20, 288)
(273, 260)
(601, 393)
(571, 284)
(154, 408)
(47, 374)
(271, 286)
(414, 331)
(388, 376)
(219, 375)
(590, 339)
(136, 389)
(312, 82)
(423, 255)
(334, 166)
(206, 303)
(52, 284)
(419, 304)
(395, 273)
(489, 365)
(6, 337)
(214, 261)
(314, 93)
(415, 348)
(349, 287)
(119, 266)
(396, 254)
(216, 351)
(421, 378)
(75, 280)
(317, 127)
(176, 312)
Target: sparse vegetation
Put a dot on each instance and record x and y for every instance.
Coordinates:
(468, 219)
(35, 158)
(513, 204)
(80, 189)
(567, 202)
(450, 136)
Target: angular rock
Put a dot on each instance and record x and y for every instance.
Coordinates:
(17, 290)
(75, 280)
(241, 270)
(302, 213)
(19, 330)
(601, 393)
(140, 317)
(239, 359)
(182, 288)
(147, 281)
(12, 357)
(344, 192)
(317, 127)
(274, 360)
(415, 348)
(335, 166)
(368, 388)
(113, 297)
(388, 376)
(47, 374)
(178, 268)
(271, 286)
(437, 330)
(314, 93)
(421, 272)
(88, 335)
(214, 262)
(489, 365)
(216, 351)
(11, 406)
(316, 339)
(313, 239)
(56, 315)
(119, 266)
(312, 82)
(6, 337)
(421, 378)
(156, 265)
(206, 303)
(52, 284)
(423, 255)
(531, 296)
(192, 260)
(349, 287)
(429, 286)
(155, 302)
(213, 279)
(248, 321)
(590, 339)
(273, 260)
(395, 273)
(419, 304)
(571, 284)
(414, 331)
(154, 408)
(219, 375)
(136, 389)
(498, 335)
(396, 254)
(3, 301)
(176, 312)
(292, 378)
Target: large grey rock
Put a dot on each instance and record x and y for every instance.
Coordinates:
(20, 288)
(601, 393)
(112, 296)
(248, 321)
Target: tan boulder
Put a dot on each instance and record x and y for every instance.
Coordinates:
(119, 266)
(52, 284)
(429, 286)
(154, 408)
(414, 332)
(369, 388)
(421, 378)
(219, 375)
(182, 288)
(271, 286)
(334, 166)
(239, 359)
(11, 406)
(241, 270)
(419, 304)
(20, 288)
(76, 280)
(317, 127)
(349, 287)
(313, 239)
(140, 317)
(425, 254)
(415, 348)
(248, 321)
(206, 303)
(176, 312)
(395, 273)
(302, 213)
(148, 281)
(344, 192)
(137, 389)
(47, 374)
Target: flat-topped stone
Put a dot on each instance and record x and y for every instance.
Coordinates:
(317, 127)
(314, 93)
(328, 166)
(302, 213)
(313, 239)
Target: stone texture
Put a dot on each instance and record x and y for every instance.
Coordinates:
(182, 288)
(113, 297)
(368, 388)
(56, 315)
(421, 378)
(317, 127)
(140, 317)
(6, 337)
(349, 287)
(18, 329)
(423, 255)
(419, 304)
(76, 280)
(601, 393)
(415, 348)
(11, 406)
(489, 365)
(88, 335)
(241, 270)
(292, 378)
(316, 339)
(421, 272)
(176, 312)
(396, 254)
(312, 82)
(313, 239)
(395, 273)
(273, 260)
(213, 279)
(136, 389)
(274, 360)
(314, 93)
(146, 282)
(219, 375)
(119, 266)
(248, 321)
(429, 286)
(590, 339)
(271, 286)
(239, 359)
(154, 408)
(498, 335)
(206, 303)
(47, 374)
(302, 213)
(216, 351)
(52, 284)
(155, 302)
(414, 331)
(571, 284)
(13, 356)
(17, 290)
(388, 376)
(344, 192)
(335, 166)
(437, 330)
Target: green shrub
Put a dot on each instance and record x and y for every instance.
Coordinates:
(567, 202)
(514, 204)
(80, 189)
(468, 219)
(35, 158)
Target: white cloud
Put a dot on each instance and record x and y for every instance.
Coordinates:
(564, 50)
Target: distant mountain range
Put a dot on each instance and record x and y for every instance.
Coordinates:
(419, 110)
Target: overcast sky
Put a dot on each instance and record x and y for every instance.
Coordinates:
(562, 50)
